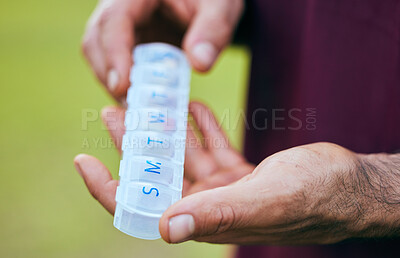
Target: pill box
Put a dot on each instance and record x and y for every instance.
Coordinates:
(151, 168)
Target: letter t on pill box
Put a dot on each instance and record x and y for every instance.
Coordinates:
(151, 169)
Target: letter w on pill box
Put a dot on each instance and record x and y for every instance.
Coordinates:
(151, 169)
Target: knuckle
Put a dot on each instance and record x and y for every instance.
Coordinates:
(89, 37)
(224, 29)
(111, 12)
(225, 217)
(223, 24)
(95, 193)
(106, 14)
(113, 49)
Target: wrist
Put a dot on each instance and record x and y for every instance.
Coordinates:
(378, 184)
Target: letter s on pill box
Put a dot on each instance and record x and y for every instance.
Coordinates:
(151, 169)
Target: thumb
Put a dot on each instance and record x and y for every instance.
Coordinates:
(205, 215)
(210, 31)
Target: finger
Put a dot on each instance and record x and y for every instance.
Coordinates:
(186, 187)
(206, 214)
(98, 180)
(198, 163)
(117, 41)
(210, 31)
(215, 139)
(93, 52)
(113, 118)
(117, 37)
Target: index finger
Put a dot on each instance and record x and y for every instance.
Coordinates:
(216, 142)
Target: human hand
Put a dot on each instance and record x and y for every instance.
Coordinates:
(209, 162)
(313, 194)
(204, 27)
(319, 193)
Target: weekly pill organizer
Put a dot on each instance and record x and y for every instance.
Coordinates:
(151, 169)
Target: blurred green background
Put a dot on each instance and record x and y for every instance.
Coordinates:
(45, 86)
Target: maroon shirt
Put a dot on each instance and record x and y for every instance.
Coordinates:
(324, 70)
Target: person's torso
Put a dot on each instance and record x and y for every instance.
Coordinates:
(324, 71)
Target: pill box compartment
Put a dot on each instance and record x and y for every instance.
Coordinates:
(136, 223)
(146, 196)
(161, 120)
(154, 144)
(151, 169)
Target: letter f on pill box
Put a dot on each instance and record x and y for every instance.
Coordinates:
(151, 169)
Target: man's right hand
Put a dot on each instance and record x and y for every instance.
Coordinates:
(202, 27)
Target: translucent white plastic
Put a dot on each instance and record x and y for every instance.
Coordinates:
(151, 169)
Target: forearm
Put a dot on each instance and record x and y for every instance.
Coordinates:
(379, 178)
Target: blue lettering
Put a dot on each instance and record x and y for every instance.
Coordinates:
(158, 118)
(153, 168)
(150, 140)
(161, 56)
(155, 94)
(160, 74)
(149, 192)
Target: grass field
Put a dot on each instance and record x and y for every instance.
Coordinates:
(45, 86)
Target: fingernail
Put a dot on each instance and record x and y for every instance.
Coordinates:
(205, 53)
(112, 80)
(180, 228)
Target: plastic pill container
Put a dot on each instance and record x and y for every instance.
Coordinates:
(151, 169)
